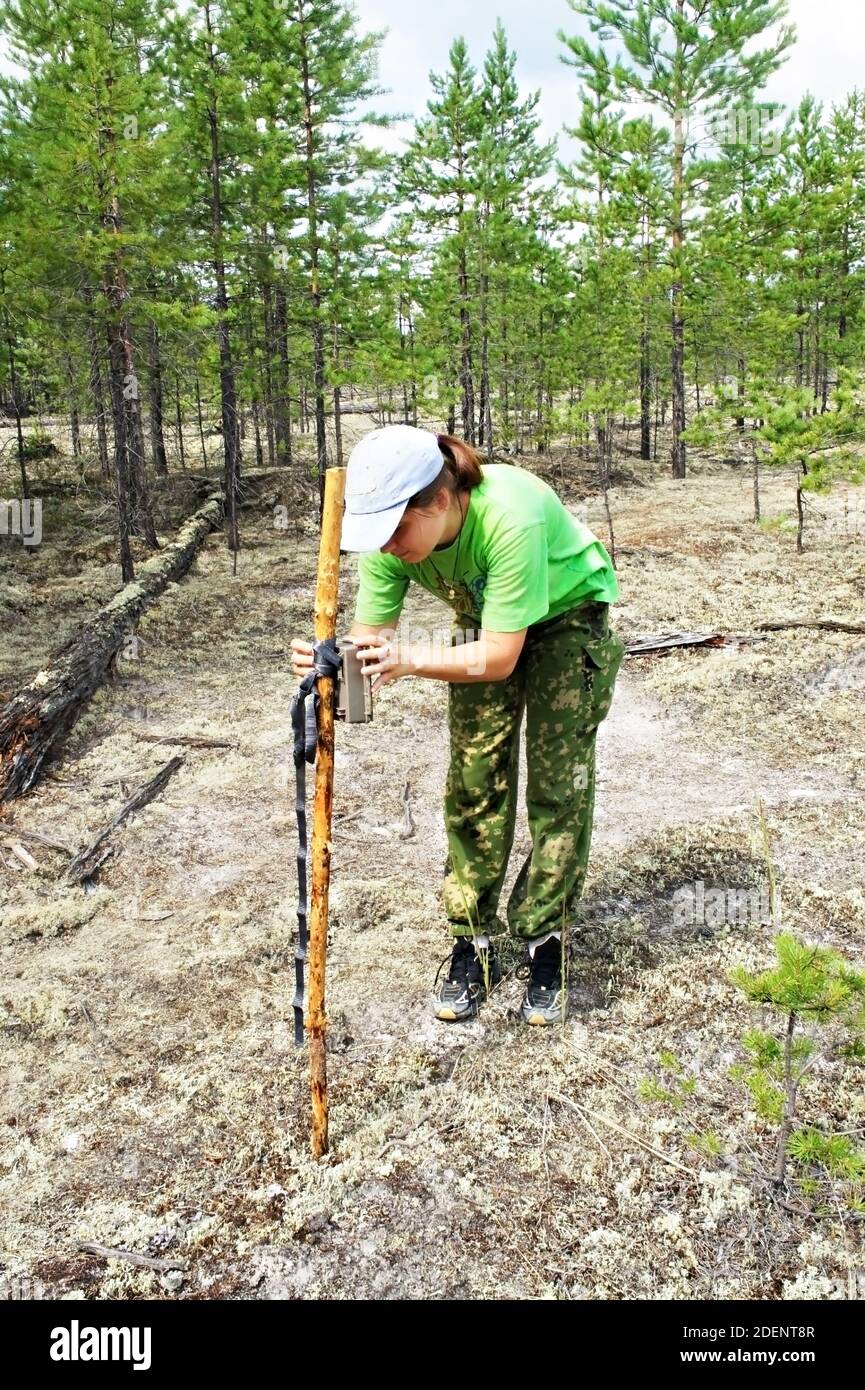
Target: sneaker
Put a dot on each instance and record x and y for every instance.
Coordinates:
(465, 989)
(543, 1002)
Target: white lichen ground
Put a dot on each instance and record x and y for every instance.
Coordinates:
(153, 1099)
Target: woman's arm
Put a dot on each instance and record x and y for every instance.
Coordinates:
(372, 629)
(301, 649)
(491, 658)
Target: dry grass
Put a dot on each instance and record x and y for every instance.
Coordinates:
(153, 1097)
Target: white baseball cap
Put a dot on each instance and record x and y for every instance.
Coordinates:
(385, 469)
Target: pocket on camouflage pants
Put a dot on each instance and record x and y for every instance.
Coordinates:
(602, 658)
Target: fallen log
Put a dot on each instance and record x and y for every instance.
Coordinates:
(645, 550)
(39, 716)
(89, 859)
(186, 740)
(828, 624)
(666, 641)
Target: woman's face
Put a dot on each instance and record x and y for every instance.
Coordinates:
(419, 532)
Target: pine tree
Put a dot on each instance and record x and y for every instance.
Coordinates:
(813, 985)
(334, 70)
(440, 176)
(687, 60)
(512, 165)
(86, 119)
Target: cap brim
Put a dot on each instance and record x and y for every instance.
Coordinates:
(369, 530)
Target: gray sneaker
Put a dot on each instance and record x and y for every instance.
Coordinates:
(465, 989)
(544, 999)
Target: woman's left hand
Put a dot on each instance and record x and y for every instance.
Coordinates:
(381, 657)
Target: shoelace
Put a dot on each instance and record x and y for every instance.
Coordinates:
(465, 960)
(544, 968)
(458, 960)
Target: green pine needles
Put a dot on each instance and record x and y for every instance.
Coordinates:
(820, 999)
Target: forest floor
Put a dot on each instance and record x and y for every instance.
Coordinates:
(153, 1099)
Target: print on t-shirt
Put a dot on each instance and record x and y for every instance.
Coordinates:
(468, 596)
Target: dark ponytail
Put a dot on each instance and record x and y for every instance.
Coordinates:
(461, 469)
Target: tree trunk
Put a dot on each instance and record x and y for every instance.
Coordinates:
(179, 421)
(269, 385)
(486, 411)
(314, 286)
(256, 425)
(282, 406)
(657, 422)
(157, 436)
(97, 392)
(789, 1102)
(678, 324)
(337, 426)
(506, 408)
(74, 418)
(200, 422)
(227, 386)
(16, 406)
(466, 377)
(133, 502)
(645, 398)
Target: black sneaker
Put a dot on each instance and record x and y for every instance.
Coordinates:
(465, 989)
(544, 1000)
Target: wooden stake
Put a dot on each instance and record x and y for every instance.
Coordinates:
(326, 600)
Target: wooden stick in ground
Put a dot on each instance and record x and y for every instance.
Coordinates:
(88, 860)
(326, 600)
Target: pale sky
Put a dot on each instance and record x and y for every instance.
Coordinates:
(828, 59)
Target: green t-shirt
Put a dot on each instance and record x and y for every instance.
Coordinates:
(522, 558)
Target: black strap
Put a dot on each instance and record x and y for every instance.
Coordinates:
(326, 661)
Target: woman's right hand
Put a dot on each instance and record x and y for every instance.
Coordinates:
(301, 657)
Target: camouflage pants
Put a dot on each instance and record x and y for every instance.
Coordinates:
(564, 680)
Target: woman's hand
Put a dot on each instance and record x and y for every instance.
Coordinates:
(301, 657)
(381, 657)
